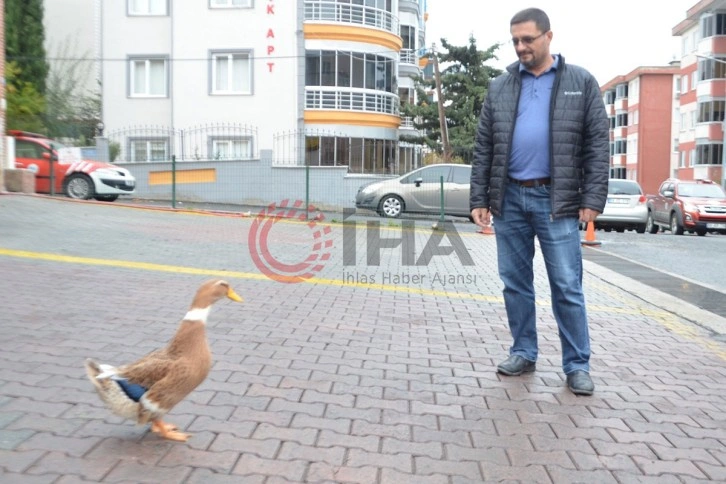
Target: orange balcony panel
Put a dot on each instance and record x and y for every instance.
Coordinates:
(352, 33)
(353, 118)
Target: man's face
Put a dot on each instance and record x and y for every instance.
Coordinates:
(531, 45)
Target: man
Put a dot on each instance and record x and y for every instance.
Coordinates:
(541, 164)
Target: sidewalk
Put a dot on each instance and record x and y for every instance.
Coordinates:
(334, 379)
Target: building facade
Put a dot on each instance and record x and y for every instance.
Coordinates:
(640, 110)
(319, 82)
(701, 86)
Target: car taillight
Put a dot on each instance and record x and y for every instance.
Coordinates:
(641, 199)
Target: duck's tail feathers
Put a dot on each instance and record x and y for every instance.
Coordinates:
(103, 379)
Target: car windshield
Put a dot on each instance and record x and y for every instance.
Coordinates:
(702, 191)
(622, 187)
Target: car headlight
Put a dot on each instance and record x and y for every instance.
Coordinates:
(368, 189)
(689, 207)
(113, 172)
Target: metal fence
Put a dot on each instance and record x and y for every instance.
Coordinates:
(214, 141)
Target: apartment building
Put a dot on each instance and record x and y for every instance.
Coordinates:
(318, 82)
(702, 88)
(640, 109)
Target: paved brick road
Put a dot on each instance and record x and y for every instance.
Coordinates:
(329, 380)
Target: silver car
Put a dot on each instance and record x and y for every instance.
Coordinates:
(420, 191)
(625, 209)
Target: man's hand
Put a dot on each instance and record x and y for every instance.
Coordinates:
(588, 215)
(481, 217)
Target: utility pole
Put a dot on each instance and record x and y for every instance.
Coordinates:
(442, 115)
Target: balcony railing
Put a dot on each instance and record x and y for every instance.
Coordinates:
(351, 100)
(408, 56)
(329, 11)
(407, 122)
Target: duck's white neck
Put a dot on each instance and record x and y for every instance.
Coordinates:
(197, 314)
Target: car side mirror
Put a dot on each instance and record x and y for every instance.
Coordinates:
(50, 156)
(418, 181)
(668, 193)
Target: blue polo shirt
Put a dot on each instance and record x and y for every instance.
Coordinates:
(530, 157)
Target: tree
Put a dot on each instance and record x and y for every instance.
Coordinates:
(25, 105)
(26, 68)
(465, 82)
(24, 39)
(72, 110)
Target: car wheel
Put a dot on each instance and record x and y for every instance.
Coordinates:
(701, 232)
(391, 206)
(676, 228)
(650, 225)
(640, 228)
(79, 187)
(106, 198)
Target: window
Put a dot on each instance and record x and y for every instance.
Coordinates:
(349, 69)
(230, 149)
(711, 69)
(408, 34)
(621, 147)
(230, 3)
(684, 83)
(621, 91)
(147, 7)
(709, 154)
(713, 25)
(610, 97)
(148, 77)
(231, 73)
(621, 120)
(711, 111)
(149, 149)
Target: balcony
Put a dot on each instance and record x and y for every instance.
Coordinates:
(408, 63)
(412, 6)
(344, 13)
(345, 99)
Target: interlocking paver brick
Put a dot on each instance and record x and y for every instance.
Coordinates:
(263, 448)
(250, 465)
(321, 472)
(330, 382)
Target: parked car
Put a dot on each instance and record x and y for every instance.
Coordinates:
(688, 205)
(625, 208)
(419, 191)
(76, 177)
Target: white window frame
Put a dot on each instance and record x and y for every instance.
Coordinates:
(133, 64)
(230, 55)
(148, 149)
(231, 3)
(145, 8)
(240, 147)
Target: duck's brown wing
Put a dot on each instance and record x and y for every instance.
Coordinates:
(149, 369)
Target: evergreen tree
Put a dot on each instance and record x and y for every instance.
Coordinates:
(24, 41)
(25, 105)
(465, 79)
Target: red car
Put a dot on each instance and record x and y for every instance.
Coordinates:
(72, 175)
(688, 205)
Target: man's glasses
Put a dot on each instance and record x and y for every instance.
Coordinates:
(526, 40)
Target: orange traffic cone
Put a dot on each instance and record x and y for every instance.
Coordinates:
(487, 230)
(590, 235)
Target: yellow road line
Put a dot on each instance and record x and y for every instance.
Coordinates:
(665, 318)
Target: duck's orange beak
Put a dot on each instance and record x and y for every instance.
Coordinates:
(233, 295)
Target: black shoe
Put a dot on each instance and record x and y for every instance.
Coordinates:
(516, 365)
(580, 383)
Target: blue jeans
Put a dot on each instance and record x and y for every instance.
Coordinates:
(526, 213)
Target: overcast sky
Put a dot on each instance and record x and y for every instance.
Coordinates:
(607, 38)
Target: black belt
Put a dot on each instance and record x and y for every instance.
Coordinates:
(537, 182)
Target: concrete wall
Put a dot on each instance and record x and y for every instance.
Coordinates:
(255, 183)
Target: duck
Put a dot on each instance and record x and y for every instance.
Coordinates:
(147, 389)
